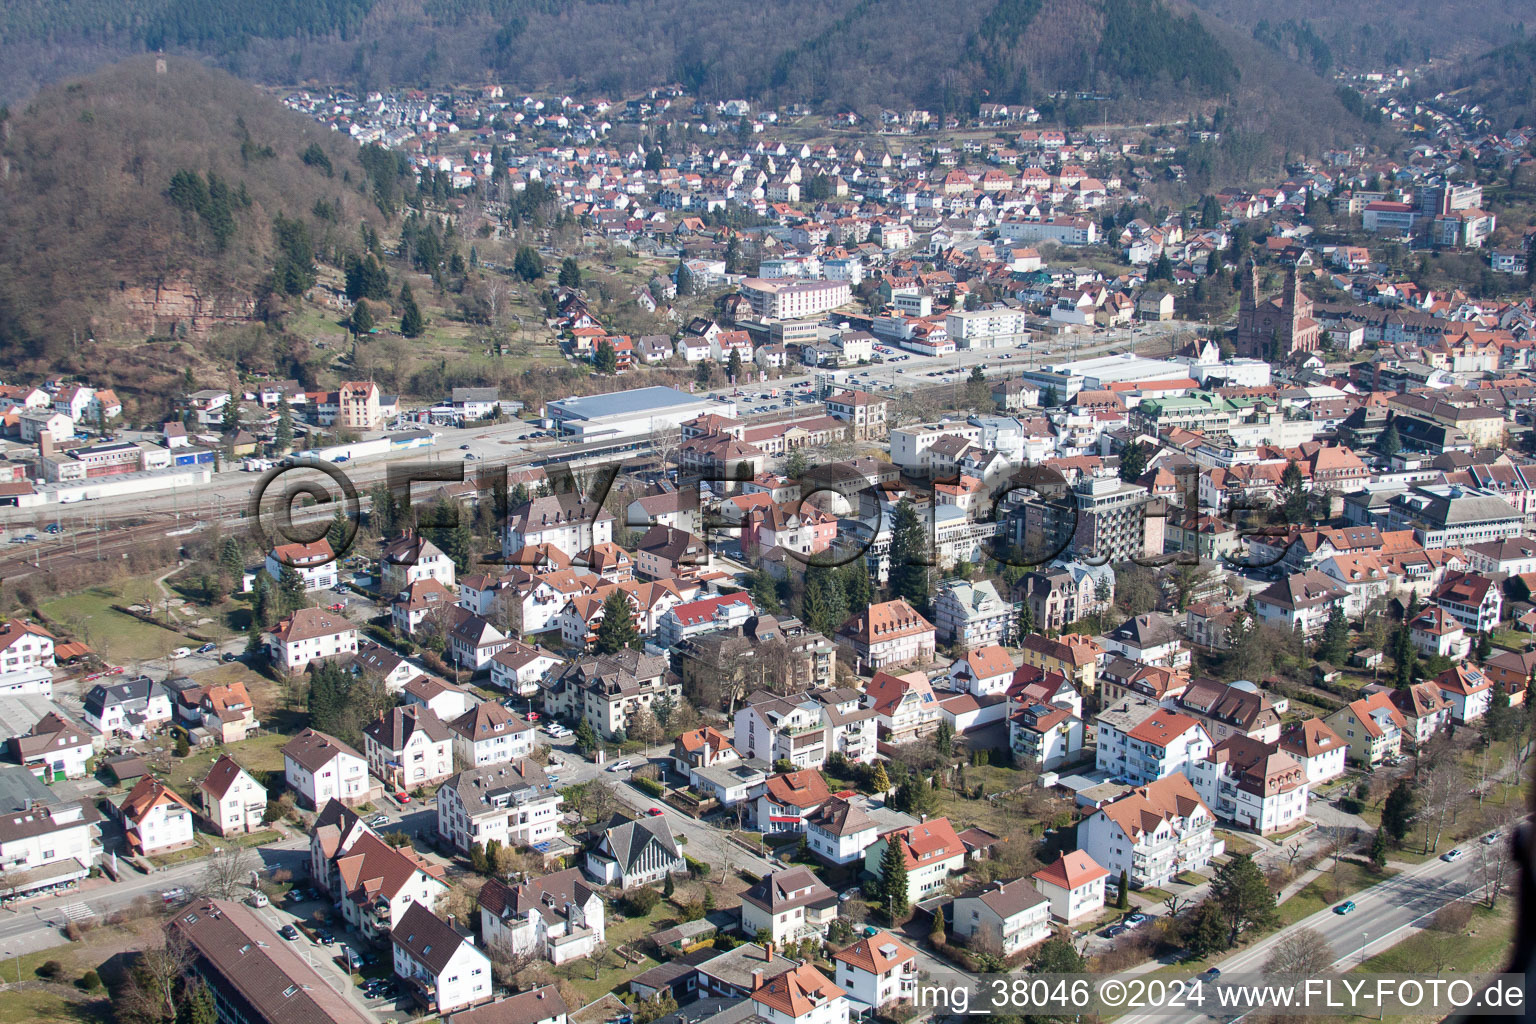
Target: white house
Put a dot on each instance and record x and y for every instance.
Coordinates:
(307, 635)
(511, 804)
(320, 768)
(519, 668)
(411, 558)
(314, 562)
(1074, 884)
(134, 708)
(1152, 833)
(407, 747)
(1003, 918)
(1163, 743)
(45, 845)
(557, 916)
(1468, 690)
(233, 802)
(490, 734)
(982, 671)
(801, 995)
(840, 831)
(1252, 784)
(1316, 748)
(876, 971)
(23, 646)
(155, 818)
(932, 850)
(443, 968)
(1045, 734)
(54, 748)
(787, 906)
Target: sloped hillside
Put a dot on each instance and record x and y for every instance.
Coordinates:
(135, 204)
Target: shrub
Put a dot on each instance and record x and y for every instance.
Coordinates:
(650, 787)
(639, 902)
(1351, 805)
(90, 981)
(696, 868)
(50, 969)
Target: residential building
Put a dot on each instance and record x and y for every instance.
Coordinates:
(232, 802)
(511, 804)
(931, 851)
(1074, 884)
(1302, 600)
(1153, 833)
(1002, 918)
(788, 801)
(319, 768)
(155, 818)
(607, 690)
(408, 747)
(489, 734)
(805, 728)
(1162, 744)
(971, 615)
(1150, 639)
(412, 558)
(885, 634)
(905, 706)
(375, 885)
(255, 977)
(1229, 709)
(565, 521)
(1372, 729)
(1046, 735)
(840, 831)
(786, 906)
(1472, 599)
(1317, 748)
(25, 645)
(1425, 712)
(558, 917)
(536, 1006)
(442, 969)
(1072, 655)
(789, 298)
(309, 635)
(54, 748)
(1253, 784)
(314, 562)
(801, 995)
(134, 708)
(1468, 690)
(983, 671)
(877, 971)
(44, 845)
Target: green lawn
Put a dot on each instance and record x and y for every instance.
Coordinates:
(1236, 844)
(1482, 947)
(1326, 890)
(1191, 877)
(259, 753)
(204, 845)
(119, 639)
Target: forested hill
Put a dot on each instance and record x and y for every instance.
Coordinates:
(1146, 55)
(1502, 81)
(135, 203)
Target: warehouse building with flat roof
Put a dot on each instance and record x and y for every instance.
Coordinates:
(631, 414)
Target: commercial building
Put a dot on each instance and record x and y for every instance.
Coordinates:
(631, 414)
(987, 328)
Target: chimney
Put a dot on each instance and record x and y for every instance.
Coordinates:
(757, 978)
(768, 951)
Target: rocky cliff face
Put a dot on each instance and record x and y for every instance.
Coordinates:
(177, 309)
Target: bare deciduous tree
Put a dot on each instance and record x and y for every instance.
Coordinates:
(227, 874)
(1302, 953)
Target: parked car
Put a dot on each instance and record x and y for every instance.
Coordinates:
(325, 938)
(1137, 918)
(229, 656)
(288, 932)
(618, 766)
(378, 821)
(206, 648)
(655, 812)
(257, 899)
(181, 652)
(173, 895)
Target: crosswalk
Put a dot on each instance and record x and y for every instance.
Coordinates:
(77, 911)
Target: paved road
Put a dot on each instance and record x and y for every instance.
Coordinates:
(1383, 914)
